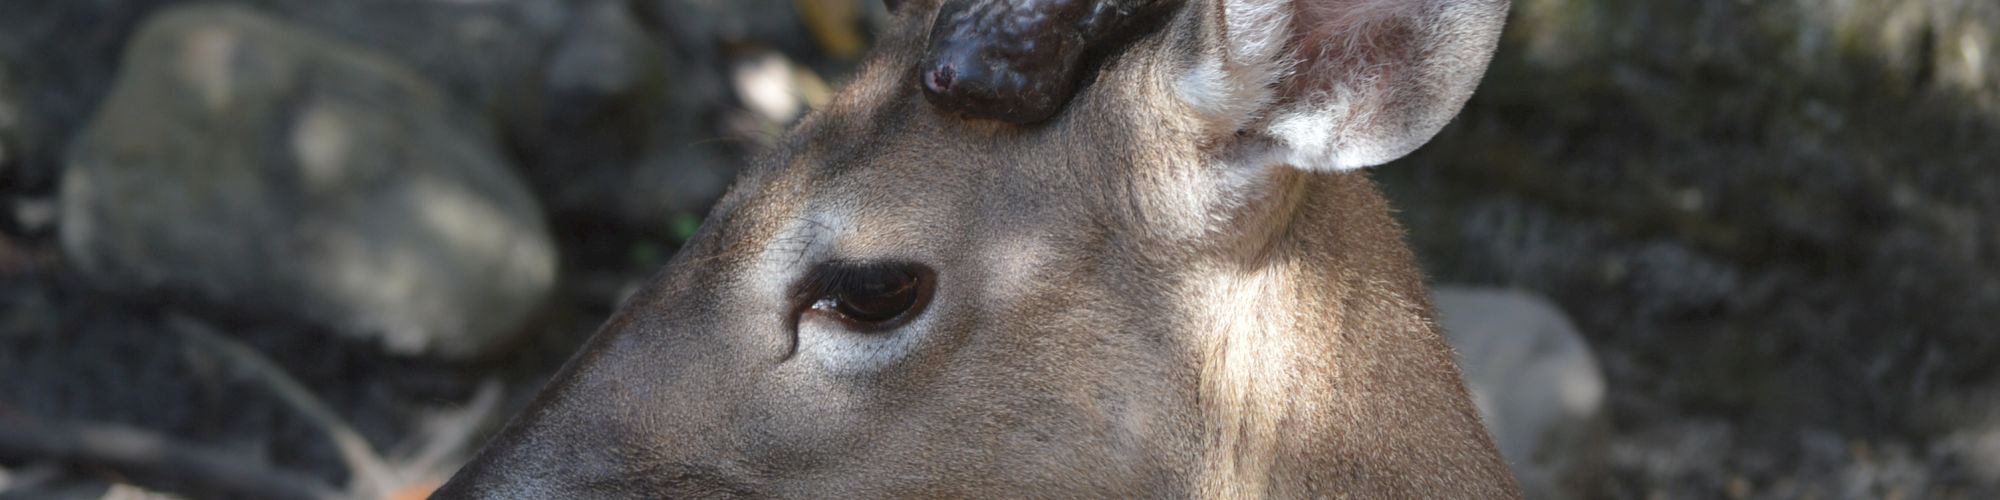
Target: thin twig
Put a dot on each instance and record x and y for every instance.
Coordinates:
(372, 477)
(145, 455)
(452, 433)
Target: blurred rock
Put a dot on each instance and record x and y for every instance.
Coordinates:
(577, 89)
(484, 53)
(480, 52)
(61, 55)
(244, 163)
(592, 97)
(1536, 383)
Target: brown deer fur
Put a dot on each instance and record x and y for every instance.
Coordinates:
(1133, 300)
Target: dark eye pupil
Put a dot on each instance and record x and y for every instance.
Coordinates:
(868, 296)
(877, 296)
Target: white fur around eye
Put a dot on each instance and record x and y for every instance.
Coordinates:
(803, 243)
(841, 350)
(792, 251)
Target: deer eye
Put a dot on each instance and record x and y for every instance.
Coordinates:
(871, 296)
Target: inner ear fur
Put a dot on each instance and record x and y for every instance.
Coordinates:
(1341, 84)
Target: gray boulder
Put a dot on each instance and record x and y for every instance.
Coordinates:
(1536, 383)
(244, 163)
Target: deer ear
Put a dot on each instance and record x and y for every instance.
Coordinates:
(1340, 84)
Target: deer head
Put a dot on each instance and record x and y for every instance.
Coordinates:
(1053, 248)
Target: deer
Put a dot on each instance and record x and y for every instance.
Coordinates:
(1052, 249)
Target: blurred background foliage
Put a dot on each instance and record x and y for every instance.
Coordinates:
(1772, 220)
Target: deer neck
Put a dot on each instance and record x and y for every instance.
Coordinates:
(1290, 327)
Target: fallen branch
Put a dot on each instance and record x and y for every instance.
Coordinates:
(140, 454)
(372, 477)
(453, 432)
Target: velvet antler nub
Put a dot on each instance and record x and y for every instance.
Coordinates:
(1019, 61)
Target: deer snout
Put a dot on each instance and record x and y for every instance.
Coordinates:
(622, 420)
(543, 460)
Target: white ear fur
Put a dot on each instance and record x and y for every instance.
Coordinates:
(1231, 86)
(1341, 84)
